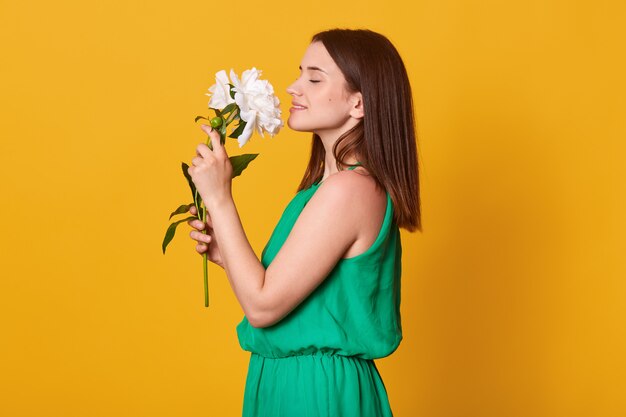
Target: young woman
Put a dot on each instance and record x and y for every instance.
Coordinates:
(324, 300)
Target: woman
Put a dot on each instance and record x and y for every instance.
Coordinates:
(324, 301)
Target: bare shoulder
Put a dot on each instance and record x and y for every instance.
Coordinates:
(355, 184)
(365, 205)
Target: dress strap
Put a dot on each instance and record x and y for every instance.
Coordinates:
(351, 167)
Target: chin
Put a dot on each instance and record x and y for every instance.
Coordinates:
(297, 127)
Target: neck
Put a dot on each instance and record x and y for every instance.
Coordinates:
(330, 162)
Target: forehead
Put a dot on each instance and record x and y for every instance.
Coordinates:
(317, 56)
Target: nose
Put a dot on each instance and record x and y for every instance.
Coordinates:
(292, 90)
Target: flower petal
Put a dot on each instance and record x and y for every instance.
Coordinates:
(247, 131)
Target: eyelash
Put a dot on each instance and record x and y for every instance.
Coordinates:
(313, 81)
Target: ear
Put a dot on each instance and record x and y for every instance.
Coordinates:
(357, 110)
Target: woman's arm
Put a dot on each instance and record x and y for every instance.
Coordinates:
(325, 229)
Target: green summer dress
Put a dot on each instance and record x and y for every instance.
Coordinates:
(318, 361)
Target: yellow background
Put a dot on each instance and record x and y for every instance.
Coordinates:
(514, 298)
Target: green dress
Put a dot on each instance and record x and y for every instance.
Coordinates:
(318, 361)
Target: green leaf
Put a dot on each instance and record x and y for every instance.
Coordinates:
(182, 209)
(192, 186)
(223, 133)
(193, 190)
(232, 91)
(189, 180)
(200, 117)
(229, 108)
(239, 130)
(240, 162)
(199, 207)
(171, 230)
(218, 113)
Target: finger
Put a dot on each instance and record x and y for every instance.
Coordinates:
(203, 150)
(211, 132)
(216, 142)
(193, 210)
(196, 224)
(207, 129)
(201, 247)
(215, 137)
(200, 237)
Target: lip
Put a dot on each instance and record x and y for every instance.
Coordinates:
(294, 108)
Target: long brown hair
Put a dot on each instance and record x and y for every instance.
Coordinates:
(384, 140)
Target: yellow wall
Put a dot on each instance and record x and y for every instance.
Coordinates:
(514, 298)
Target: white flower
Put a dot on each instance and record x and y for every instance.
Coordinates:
(220, 92)
(257, 104)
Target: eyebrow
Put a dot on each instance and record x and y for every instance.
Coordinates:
(313, 69)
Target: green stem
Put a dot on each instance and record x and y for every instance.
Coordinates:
(204, 255)
(204, 260)
(202, 212)
(231, 116)
(202, 216)
(206, 281)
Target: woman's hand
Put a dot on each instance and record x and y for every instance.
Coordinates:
(211, 171)
(206, 243)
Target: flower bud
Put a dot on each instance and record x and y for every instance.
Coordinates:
(216, 122)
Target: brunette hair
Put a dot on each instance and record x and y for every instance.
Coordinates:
(384, 140)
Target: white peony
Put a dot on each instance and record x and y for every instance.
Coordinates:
(257, 104)
(220, 92)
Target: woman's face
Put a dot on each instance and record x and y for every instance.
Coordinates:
(328, 109)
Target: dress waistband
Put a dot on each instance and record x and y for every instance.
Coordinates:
(312, 354)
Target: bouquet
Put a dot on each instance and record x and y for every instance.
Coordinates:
(251, 103)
